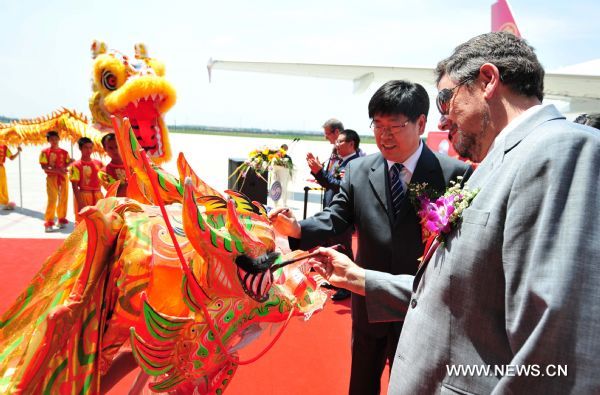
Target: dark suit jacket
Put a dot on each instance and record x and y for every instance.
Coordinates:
(330, 180)
(385, 243)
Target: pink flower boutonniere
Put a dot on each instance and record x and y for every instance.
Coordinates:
(439, 215)
(339, 172)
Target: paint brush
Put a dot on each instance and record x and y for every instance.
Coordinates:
(309, 254)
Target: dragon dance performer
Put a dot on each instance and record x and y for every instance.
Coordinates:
(5, 152)
(54, 160)
(84, 178)
(115, 170)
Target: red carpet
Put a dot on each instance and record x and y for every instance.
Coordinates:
(311, 357)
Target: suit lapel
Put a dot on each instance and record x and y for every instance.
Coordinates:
(425, 166)
(344, 163)
(379, 184)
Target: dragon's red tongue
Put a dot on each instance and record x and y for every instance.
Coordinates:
(144, 121)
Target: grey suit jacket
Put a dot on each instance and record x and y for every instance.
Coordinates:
(385, 243)
(517, 285)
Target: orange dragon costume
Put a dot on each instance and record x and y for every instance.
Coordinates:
(185, 284)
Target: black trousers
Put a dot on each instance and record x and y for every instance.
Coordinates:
(369, 355)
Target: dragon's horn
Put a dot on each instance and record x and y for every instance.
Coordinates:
(128, 149)
(253, 244)
(113, 189)
(205, 239)
(254, 216)
(134, 191)
(201, 188)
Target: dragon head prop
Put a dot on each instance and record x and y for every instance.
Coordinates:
(235, 287)
(134, 88)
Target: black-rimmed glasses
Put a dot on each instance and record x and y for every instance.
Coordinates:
(392, 129)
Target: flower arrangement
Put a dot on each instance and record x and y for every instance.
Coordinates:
(262, 159)
(439, 215)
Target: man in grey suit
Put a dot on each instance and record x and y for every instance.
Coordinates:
(510, 303)
(389, 235)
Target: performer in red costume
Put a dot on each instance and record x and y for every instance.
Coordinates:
(84, 178)
(54, 161)
(115, 170)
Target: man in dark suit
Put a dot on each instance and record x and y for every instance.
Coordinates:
(389, 232)
(346, 148)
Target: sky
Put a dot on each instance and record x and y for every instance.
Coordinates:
(45, 60)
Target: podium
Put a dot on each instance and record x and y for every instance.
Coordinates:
(279, 178)
(252, 185)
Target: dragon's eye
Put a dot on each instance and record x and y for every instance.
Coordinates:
(109, 80)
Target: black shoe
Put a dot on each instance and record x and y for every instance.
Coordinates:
(341, 294)
(326, 285)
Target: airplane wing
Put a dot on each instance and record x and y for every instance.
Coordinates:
(361, 76)
(581, 91)
(579, 86)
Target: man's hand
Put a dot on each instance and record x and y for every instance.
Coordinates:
(339, 270)
(284, 222)
(16, 153)
(60, 171)
(313, 163)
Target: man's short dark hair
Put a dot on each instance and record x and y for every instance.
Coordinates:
(592, 120)
(400, 97)
(106, 138)
(83, 140)
(351, 135)
(516, 61)
(333, 124)
(51, 133)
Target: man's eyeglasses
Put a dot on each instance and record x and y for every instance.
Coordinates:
(392, 129)
(340, 142)
(443, 99)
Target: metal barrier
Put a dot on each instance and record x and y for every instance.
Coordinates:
(306, 189)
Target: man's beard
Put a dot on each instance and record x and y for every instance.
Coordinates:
(469, 145)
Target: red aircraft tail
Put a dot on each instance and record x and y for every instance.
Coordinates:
(502, 18)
